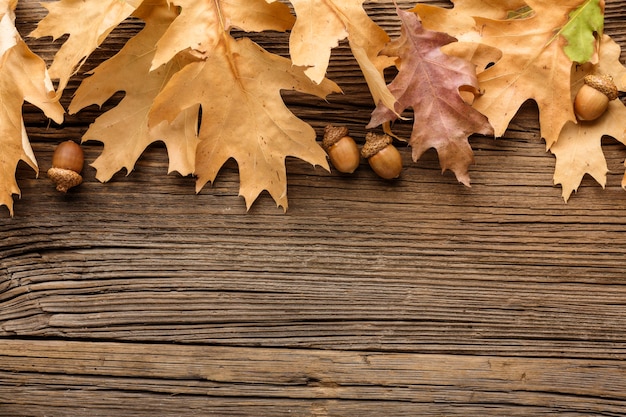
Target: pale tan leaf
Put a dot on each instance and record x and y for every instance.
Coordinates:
(459, 21)
(321, 25)
(124, 129)
(88, 23)
(244, 116)
(23, 77)
(578, 150)
(202, 24)
(533, 65)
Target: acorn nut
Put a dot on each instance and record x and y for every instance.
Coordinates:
(382, 156)
(593, 98)
(341, 149)
(67, 164)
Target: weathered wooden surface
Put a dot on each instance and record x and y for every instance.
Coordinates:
(366, 298)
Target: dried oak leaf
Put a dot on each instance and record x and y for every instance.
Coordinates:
(428, 81)
(23, 77)
(124, 129)
(321, 25)
(459, 21)
(186, 58)
(88, 23)
(533, 65)
(237, 84)
(202, 24)
(578, 150)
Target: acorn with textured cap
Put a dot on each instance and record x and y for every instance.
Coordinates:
(342, 150)
(594, 96)
(67, 165)
(383, 157)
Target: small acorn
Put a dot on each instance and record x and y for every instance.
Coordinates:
(382, 156)
(341, 149)
(593, 98)
(67, 164)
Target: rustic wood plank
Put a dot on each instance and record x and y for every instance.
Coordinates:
(310, 297)
(325, 380)
(415, 297)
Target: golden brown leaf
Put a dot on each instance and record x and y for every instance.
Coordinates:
(88, 23)
(23, 77)
(321, 25)
(578, 149)
(533, 65)
(244, 116)
(459, 21)
(202, 24)
(186, 58)
(124, 129)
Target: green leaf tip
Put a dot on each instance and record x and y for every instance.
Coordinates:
(585, 22)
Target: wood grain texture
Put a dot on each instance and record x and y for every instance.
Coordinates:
(313, 382)
(416, 297)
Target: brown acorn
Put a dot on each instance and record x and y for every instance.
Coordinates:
(342, 150)
(593, 98)
(382, 156)
(67, 165)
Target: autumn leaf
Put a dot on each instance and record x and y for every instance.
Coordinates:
(186, 59)
(459, 21)
(534, 52)
(428, 81)
(533, 65)
(584, 26)
(88, 23)
(321, 25)
(202, 24)
(578, 150)
(124, 129)
(243, 115)
(238, 84)
(23, 77)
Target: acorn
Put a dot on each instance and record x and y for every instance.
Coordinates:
(67, 165)
(342, 150)
(593, 98)
(382, 156)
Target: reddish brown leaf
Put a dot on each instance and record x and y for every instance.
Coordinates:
(428, 81)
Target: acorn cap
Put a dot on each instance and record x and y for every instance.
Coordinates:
(602, 83)
(64, 178)
(332, 134)
(375, 143)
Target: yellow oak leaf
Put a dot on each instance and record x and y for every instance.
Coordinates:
(124, 129)
(533, 66)
(243, 115)
(321, 25)
(186, 63)
(578, 150)
(203, 23)
(459, 21)
(88, 23)
(23, 77)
